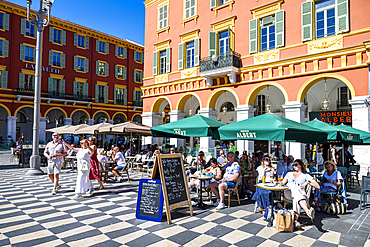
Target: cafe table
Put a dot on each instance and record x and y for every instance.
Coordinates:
(272, 187)
(202, 179)
(69, 160)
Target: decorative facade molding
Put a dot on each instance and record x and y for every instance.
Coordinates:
(267, 56)
(325, 44)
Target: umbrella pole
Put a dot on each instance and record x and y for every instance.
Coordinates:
(317, 151)
(269, 148)
(130, 142)
(342, 154)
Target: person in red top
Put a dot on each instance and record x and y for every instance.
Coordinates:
(94, 171)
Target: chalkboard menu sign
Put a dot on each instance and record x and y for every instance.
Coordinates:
(150, 200)
(170, 169)
(174, 179)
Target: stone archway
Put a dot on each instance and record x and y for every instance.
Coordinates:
(4, 113)
(100, 116)
(79, 117)
(24, 123)
(119, 118)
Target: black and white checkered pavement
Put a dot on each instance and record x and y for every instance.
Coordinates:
(31, 216)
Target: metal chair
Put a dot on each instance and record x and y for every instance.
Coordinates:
(344, 171)
(103, 170)
(352, 174)
(365, 190)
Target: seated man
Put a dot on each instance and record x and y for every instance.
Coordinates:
(221, 160)
(232, 173)
(121, 163)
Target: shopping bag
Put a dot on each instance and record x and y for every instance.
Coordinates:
(335, 207)
(284, 222)
(85, 166)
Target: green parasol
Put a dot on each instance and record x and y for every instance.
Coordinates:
(364, 136)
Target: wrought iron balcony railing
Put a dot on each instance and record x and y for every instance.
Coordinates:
(229, 59)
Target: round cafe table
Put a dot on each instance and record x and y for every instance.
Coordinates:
(272, 187)
(202, 179)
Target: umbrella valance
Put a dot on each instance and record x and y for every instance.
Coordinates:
(70, 129)
(271, 127)
(364, 136)
(335, 134)
(93, 129)
(196, 126)
(57, 129)
(126, 128)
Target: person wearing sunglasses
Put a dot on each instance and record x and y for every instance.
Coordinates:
(83, 183)
(55, 152)
(297, 182)
(262, 196)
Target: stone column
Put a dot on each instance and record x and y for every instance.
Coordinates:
(294, 110)
(151, 119)
(11, 127)
(361, 121)
(174, 116)
(90, 121)
(244, 112)
(206, 143)
(42, 132)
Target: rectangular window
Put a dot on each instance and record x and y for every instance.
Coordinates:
(137, 100)
(3, 79)
(79, 90)
(261, 105)
(1, 47)
(138, 75)
(119, 94)
(137, 57)
(162, 62)
(100, 94)
(102, 47)
(29, 53)
(163, 17)
(56, 59)
(1, 20)
(101, 68)
(54, 88)
(119, 51)
(120, 72)
(325, 18)
(80, 64)
(224, 42)
(57, 36)
(81, 41)
(190, 6)
(30, 29)
(267, 29)
(28, 82)
(190, 53)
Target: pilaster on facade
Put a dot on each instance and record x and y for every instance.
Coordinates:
(175, 116)
(11, 126)
(244, 112)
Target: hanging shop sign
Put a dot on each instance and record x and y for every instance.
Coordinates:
(332, 116)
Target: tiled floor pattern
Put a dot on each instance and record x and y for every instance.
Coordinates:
(31, 216)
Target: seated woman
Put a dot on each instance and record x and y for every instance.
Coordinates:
(262, 196)
(213, 170)
(330, 181)
(297, 181)
(249, 179)
(200, 162)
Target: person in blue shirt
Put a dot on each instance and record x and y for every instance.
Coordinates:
(231, 175)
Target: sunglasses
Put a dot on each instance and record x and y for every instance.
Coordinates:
(296, 164)
(267, 159)
(55, 135)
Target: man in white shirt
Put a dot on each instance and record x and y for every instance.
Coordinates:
(333, 152)
(120, 161)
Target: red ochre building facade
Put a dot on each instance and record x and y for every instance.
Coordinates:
(87, 76)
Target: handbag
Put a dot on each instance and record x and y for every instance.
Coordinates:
(284, 222)
(84, 167)
(335, 207)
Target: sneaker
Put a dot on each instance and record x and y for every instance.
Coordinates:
(220, 206)
(119, 180)
(216, 203)
(77, 196)
(311, 213)
(297, 225)
(58, 188)
(54, 192)
(89, 192)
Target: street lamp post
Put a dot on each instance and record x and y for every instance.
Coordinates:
(40, 22)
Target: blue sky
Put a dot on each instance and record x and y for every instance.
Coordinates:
(121, 18)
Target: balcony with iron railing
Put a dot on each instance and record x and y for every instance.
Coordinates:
(218, 65)
(53, 96)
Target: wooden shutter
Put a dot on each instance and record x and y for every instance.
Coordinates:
(86, 91)
(75, 89)
(114, 95)
(75, 36)
(125, 52)
(181, 56)
(21, 81)
(142, 57)
(97, 45)
(116, 51)
(96, 92)
(124, 73)
(6, 22)
(135, 75)
(106, 91)
(196, 52)
(253, 45)
(342, 16)
(51, 53)
(63, 62)
(4, 79)
(62, 88)
(116, 71)
(23, 26)
(212, 46)
(213, 3)
(86, 65)
(125, 96)
(106, 69)
(134, 96)
(5, 48)
(155, 63)
(106, 48)
(87, 42)
(22, 52)
(168, 60)
(306, 21)
(97, 67)
(135, 55)
(50, 85)
(64, 37)
(75, 62)
(51, 34)
(280, 26)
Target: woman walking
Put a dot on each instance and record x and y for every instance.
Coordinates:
(94, 171)
(83, 183)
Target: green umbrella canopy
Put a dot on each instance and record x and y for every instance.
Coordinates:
(335, 134)
(364, 136)
(271, 127)
(196, 126)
